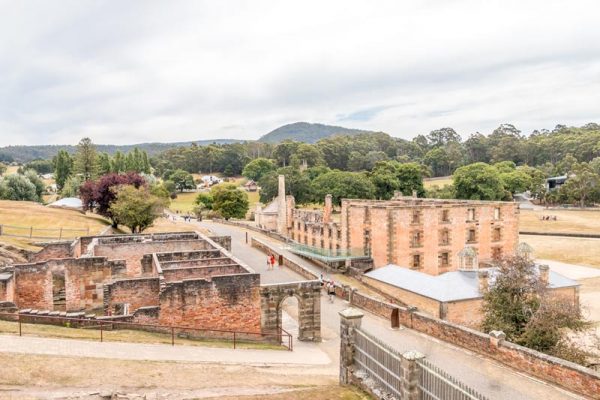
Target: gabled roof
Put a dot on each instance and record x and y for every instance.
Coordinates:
(450, 286)
(272, 207)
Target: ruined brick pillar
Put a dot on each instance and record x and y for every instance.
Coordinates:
(281, 207)
(411, 375)
(350, 320)
(328, 209)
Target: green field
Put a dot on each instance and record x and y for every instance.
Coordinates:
(439, 181)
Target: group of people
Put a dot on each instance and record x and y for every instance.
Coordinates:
(549, 218)
(329, 286)
(270, 262)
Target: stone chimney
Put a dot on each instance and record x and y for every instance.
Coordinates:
(281, 207)
(544, 274)
(328, 209)
(482, 279)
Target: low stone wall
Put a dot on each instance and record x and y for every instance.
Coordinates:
(262, 246)
(570, 376)
(268, 233)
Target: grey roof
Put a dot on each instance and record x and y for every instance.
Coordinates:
(451, 286)
(5, 276)
(68, 202)
(272, 207)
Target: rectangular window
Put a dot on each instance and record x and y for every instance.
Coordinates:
(497, 213)
(471, 214)
(444, 260)
(416, 261)
(416, 239)
(497, 234)
(416, 217)
(445, 215)
(497, 252)
(471, 235)
(444, 237)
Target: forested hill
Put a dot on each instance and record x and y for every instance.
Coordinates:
(23, 154)
(306, 132)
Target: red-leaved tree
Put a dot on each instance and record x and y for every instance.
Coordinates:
(99, 195)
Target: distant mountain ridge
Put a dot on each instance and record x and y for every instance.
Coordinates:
(307, 132)
(24, 154)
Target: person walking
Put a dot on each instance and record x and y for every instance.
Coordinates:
(273, 261)
(268, 263)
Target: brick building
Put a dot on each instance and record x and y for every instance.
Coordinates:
(430, 235)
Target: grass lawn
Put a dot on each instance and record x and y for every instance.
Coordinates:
(29, 214)
(35, 376)
(132, 336)
(565, 249)
(566, 221)
(439, 181)
(184, 202)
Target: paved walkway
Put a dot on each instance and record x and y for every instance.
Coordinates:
(486, 376)
(572, 271)
(304, 355)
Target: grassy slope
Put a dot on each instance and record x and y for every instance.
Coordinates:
(439, 181)
(567, 221)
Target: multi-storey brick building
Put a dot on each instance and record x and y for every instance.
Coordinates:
(430, 235)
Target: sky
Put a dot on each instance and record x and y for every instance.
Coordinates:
(124, 72)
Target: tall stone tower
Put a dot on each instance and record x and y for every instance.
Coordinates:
(281, 208)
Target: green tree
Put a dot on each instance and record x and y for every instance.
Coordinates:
(137, 209)
(204, 200)
(3, 169)
(63, 168)
(341, 184)
(71, 187)
(284, 151)
(385, 178)
(443, 136)
(582, 185)
(258, 168)
(104, 164)
(229, 201)
(183, 180)
(118, 164)
(308, 153)
(40, 187)
(297, 184)
(478, 181)
(86, 159)
(17, 187)
(518, 304)
(516, 181)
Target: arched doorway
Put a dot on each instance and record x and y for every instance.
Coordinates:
(288, 313)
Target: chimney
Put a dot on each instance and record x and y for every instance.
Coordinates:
(281, 207)
(414, 194)
(544, 274)
(482, 278)
(328, 209)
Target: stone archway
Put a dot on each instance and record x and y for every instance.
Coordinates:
(308, 294)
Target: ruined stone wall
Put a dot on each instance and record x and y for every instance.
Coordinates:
(225, 302)
(137, 292)
(188, 255)
(180, 273)
(223, 241)
(83, 282)
(33, 286)
(387, 230)
(132, 252)
(53, 250)
(202, 262)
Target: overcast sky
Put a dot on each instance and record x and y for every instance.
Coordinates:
(129, 71)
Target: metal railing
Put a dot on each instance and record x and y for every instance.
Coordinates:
(436, 384)
(379, 361)
(32, 232)
(326, 253)
(175, 332)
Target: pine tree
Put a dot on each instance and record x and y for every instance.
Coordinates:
(63, 168)
(86, 159)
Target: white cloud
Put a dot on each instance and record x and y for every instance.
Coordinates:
(136, 71)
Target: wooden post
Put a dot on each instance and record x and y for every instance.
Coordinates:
(101, 333)
(30, 232)
(60, 233)
(19, 318)
(246, 236)
(172, 336)
(234, 339)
